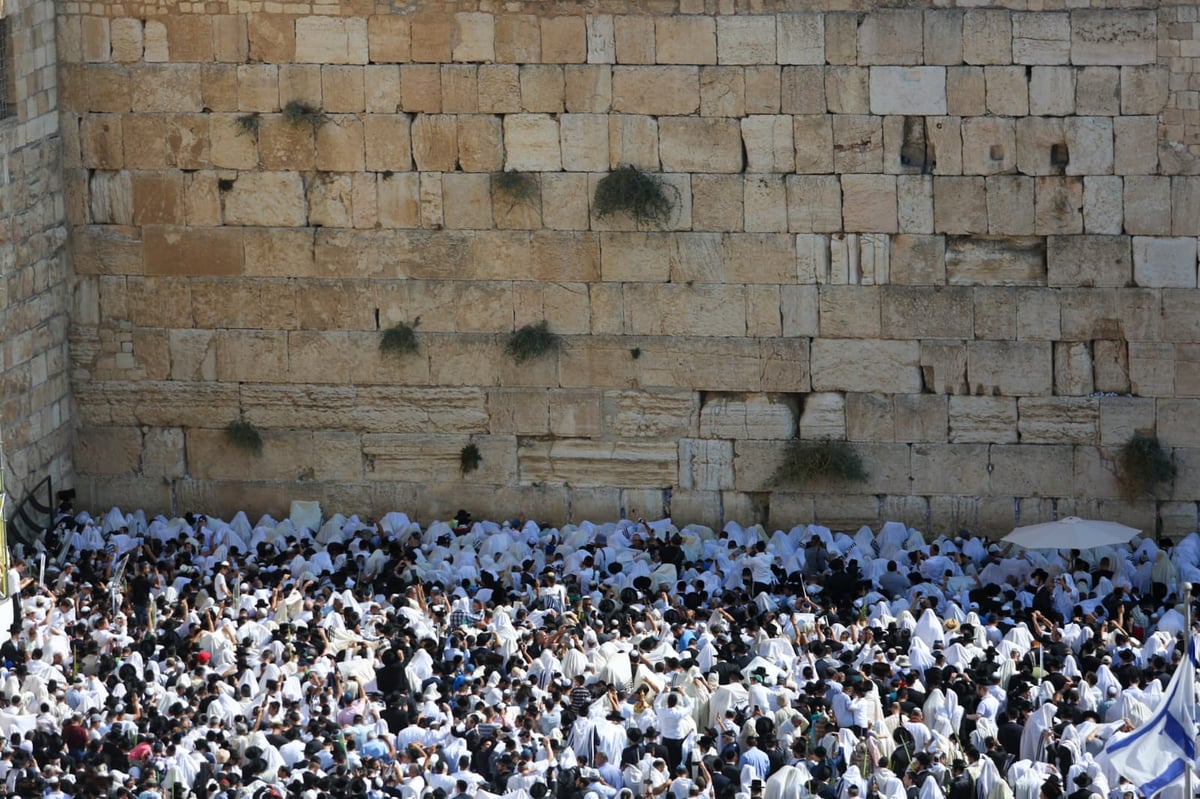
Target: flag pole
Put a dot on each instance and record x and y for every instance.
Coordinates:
(1187, 652)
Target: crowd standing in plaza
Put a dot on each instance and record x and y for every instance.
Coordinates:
(318, 659)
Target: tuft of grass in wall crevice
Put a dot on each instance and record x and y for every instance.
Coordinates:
(298, 113)
(517, 187)
(1143, 465)
(646, 198)
(826, 459)
(248, 123)
(244, 436)
(531, 342)
(400, 339)
(469, 458)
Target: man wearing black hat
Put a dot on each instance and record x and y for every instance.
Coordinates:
(961, 786)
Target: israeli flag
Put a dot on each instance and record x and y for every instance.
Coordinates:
(1157, 755)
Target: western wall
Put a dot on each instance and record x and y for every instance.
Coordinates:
(962, 238)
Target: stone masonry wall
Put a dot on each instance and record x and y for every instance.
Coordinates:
(36, 426)
(964, 239)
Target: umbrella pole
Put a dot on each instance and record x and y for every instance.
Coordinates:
(1187, 619)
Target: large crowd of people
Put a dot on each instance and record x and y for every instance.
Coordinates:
(345, 657)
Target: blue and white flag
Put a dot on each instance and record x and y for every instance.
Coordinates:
(1156, 755)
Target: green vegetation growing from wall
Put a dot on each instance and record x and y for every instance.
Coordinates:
(244, 436)
(532, 341)
(297, 113)
(806, 461)
(629, 190)
(1142, 466)
(469, 458)
(400, 339)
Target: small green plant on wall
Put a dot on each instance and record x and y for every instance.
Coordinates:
(1143, 466)
(518, 187)
(532, 341)
(807, 461)
(248, 123)
(244, 436)
(297, 113)
(400, 339)
(469, 458)
(644, 197)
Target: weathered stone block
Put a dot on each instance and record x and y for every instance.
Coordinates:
(998, 262)
(1007, 91)
(814, 203)
(388, 39)
(813, 135)
(746, 40)
(921, 418)
(1010, 205)
(499, 89)
(768, 143)
(919, 91)
(685, 40)
(584, 142)
(1090, 142)
(1144, 90)
(1010, 368)
(989, 146)
(1185, 206)
(1110, 367)
(331, 40)
(824, 416)
(588, 89)
(656, 90)
(268, 199)
(983, 420)
(473, 37)
(635, 39)
(435, 142)
(1135, 149)
(1058, 205)
(1089, 261)
(890, 367)
(1113, 37)
(966, 91)
(340, 144)
(1073, 373)
(633, 141)
(987, 36)
(421, 88)
(460, 89)
(800, 38)
(1033, 470)
(959, 205)
(919, 313)
(588, 463)
(1176, 422)
(601, 39)
(943, 37)
(765, 203)
(543, 88)
(564, 40)
(532, 143)
(918, 260)
(705, 464)
(1041, 38)
(695, 144)
(891, 37)
(1164, 262)
(849, 311)
(1102, 208)
(950, 469)
(743, 416)
(1052, 91)
(869, 203)
(1098, 91)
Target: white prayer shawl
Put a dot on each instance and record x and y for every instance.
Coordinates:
(919, 655)
(1026, 780)
(931, 790)
(790, 782)
(1032, 741)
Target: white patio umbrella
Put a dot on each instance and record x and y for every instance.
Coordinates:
(1071, 532)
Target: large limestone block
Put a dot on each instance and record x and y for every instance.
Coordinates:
(601, 39)
(651, 414)
(960, 205)
(693, 144)
(869, 203)
(499, 88)
(598, 463)
(662, 91)
(987, 36)
(671, 310)
(814, 203)
(705, 464)
(436, 458)
(919, 91)
(331, 40)
(921, 418)
(532, 143)
(813, 135)
(1089, 261)
(891, 37)
(849, 311)
(768, 142)
(890, 367)
(983, 420)
(518, 39)
(847, 90)
(800, 38)
(1113, 37)
(1164, 262)
(1014, 368)
(584, 142)
(435, 142)
(1185, 206)
(519, 411)
(1059, 420)
(192, 251)
(1073, 372)
(1031, 470)
(1098, 91)
(926, 312)
(473, 37)
(301, 407)
(1102, 209)
(951, 469)
(746, 39)
(1174, 427)
(824, 416)
(588, 89)
(543, 88)
(1144, 90)
(1090, 142)
(157, 403)
(1058, 205)
(564, 40)
(1052, 91)
(1145, 197)
(643, 257)
(685, 40)
(1110, 367)
(340, 144)
(742, 416)
(388, 39)
(267, 199)
(166, 88)
(110, 451)
(989, 146)
(858, 143)
(1010, 205)
(1041, 37)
